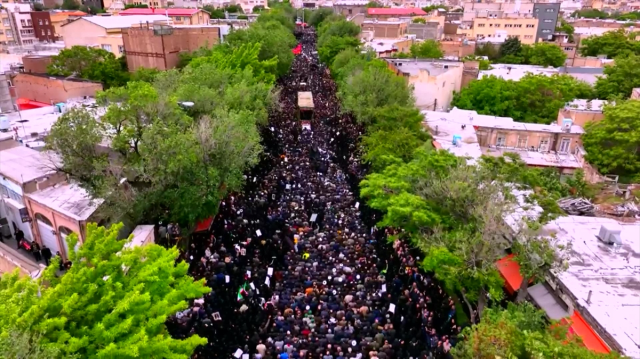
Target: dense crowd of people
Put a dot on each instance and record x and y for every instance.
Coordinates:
(296, 265)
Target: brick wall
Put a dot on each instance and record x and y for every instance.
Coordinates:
(45, 89)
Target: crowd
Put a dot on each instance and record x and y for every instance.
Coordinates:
(296, 265)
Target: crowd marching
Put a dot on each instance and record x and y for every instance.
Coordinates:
(296, 265)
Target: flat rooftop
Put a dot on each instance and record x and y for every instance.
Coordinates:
(445, 125)
(433, 67)
(586, 105)
(68, 199)
(22, 164)
(382, 45)
(612, 275)
(516, 72)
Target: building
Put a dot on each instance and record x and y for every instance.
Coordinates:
(391, 29)
(159, 46)
(43, 28)
(59, 210)
(103, 31)
(24, 26)
(547, 15)
(177, 16)
(457, 49)
(497, 27)
(434, 82)
(350, 8)
(51, 90)
(580, 112)
(59, 18)
(516, 72)
(468, 134)
(431, 30)
(599, 291)
(385, 48)
(36, 63)
(387, 13)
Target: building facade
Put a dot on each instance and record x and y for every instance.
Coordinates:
(160, 46)
(53, 89)
(43, 28)
(177, 16)
(497, 28)
(547, 15)
(385, 29)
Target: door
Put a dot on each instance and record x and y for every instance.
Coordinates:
(564, 145)
(47, 234)
(64, 232)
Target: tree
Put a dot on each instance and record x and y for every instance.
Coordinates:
(511, 46)
(364, 92)
(38, 6)
(428, 49)
(373, 4)
(430, 8)
(534, 99)
(20, 343)
(318, 16)
(590, 14)
(547, 54)
(384, 148)
(620, 79)
(334, 45)
(257, 9)
(145, 74)
(567, 28)
(487, 49)
(336, 27)
(89, 63)
(136, 6)
(613, 144)
(521, 331)
(419, 20)
(70, 5)
(482, 63)
(112, 302)
(611, 43)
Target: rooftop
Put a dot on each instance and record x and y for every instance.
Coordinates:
(592, 31)
(68, 199)
(22, 164)
(587, 74)
(351, 3)
(586, 105)
(610, 274)
(305, 99)
(433, 67)
(120, 22)
(167, 12)
(445, 125)
(382, 45)
(516, 72)
(399, 11)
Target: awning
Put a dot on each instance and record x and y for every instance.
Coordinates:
(547, 301)
(204, 225)
(510, 271)
(590, 338)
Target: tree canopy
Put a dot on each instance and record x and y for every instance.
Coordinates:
(113, 302)
(613, 144)
(620, 79)
(534, 98)
(611, 43)
(428, 49)
(91, 64)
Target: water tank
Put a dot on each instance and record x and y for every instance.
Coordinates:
(5, 124)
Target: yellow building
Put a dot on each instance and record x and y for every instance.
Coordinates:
(7, 37)
(103, 31)
(498, 29)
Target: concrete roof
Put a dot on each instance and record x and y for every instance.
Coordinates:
(120, 22)
(612, 275)
(516, 72)
(22, 164)
(413, 67)
(68, 199)
(586, 105)
(381, 45)
(170, 12)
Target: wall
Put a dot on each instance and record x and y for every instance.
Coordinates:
(579, 117)
(428, 31)
(47, 90)
(523, 28)
(587, 62)
(435, 93)
(475, 9)
(487, 136)
(145, 49)
(348, 10)
(42, 26)
(57, 219)
(6, 101)
(458, 48)
(36, 63)
(390, 30)
(547, 15)
(84, 33)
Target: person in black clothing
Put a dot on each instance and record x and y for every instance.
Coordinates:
(19, 237)
(46, 254)
(35, 248)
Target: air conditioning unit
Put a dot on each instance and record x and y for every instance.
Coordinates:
(609, 236)
(566, 124)
(544, 148)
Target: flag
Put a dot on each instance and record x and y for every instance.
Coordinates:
(297, 50)
(242, 291)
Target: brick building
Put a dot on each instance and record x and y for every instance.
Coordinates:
(43, 27)
(52, 89)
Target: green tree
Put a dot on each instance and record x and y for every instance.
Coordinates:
(611, 43)
(547, 54)
(489, 50)
(364, 92)
(334, 45)
(590, 14)
(89, 63)
(214, 13)
(511, 46)
(257, 9)
(318, 16)
(613, 144)
(534, 99)
(26, 344)
(373, 4)
(336, 27)
(428, 49)
(620, 79)
(136, 6)
(145, 74)
(430, 8)
(112, 303)
(384, 148)
(38, 6)
(482, 64)
(521, 331)
(70, 5)
(419, 20)
(567, 28)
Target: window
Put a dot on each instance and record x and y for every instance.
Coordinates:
(178, 18)
(49, 32)
(9, 33)
(501, 140)
(546, 31)
(537, 10)
(568, 49)
(530, 26)
(497, 25)
(42, 32)
(517, 25)
(508, 25)
(564, 145)
(106, 47)
(121, 49)
(39, 21)
(550, 10)
(5, 22)
(46, 22)
(528, 36)
(522, 141)
(27, 42)
(544, 145)
(548, 20)
(490, 25)
(29, 23)
(23, 23)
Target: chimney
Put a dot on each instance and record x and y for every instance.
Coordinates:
(589, 297)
